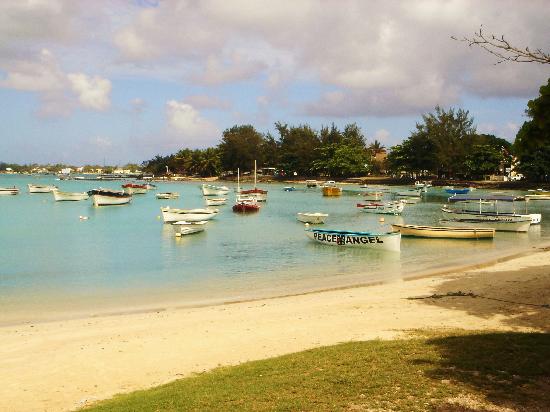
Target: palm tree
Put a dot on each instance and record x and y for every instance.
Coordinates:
(377, 147)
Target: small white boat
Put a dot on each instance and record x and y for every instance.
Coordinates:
(385, 208)
(69, 196)
(106, 197)
(211, 190)
(9, 191)
(390, 241)
(372, 196)
(311, 184)
(445, 232)
(410, 200)
(134, 189)
(218, 201)
(41, 188)
(538, 196)
(409, 193)
(314, 218)
(168, 195)
(498, 225)
(535, 218)
(170, 215)
(188, 228)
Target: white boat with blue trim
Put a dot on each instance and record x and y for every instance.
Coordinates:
(390, 241)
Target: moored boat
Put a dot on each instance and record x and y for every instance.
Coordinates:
(538, 196)
(134, 189)
(259, 194)
(246, 205)
(445, 232)
(216, 201)
(212, 190)
(329, 188)
(409, 193)
(188, 228)
(170, 215)
(461, 191)
(314, 218)
(386, 208)
(390, 241)
(9, 191)
(311, 184)
(167, 195)
(373, 195)
(60, 196)
(289, 188)
(107, 197)
(499, 225)
(41, 188)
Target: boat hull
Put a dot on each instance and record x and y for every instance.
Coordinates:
(377, 241)
(216, 202)
(373, 196)
(41, 189)
(486, 216)
(135, 190)
(69, 196)
(409, 193)
(498, 225)
(332, 191)
(168, 195)
(537, 197)
(209, 190)
(105, 200)
(9, 191)
(175, 215)
(445, 232)
(312, 218)
(384, 208)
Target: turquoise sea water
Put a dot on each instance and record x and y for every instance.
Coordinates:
(124, 258)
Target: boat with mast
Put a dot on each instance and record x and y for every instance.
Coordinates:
(258, 194)
(244, 203)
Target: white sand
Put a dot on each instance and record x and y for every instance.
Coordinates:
(61, 365)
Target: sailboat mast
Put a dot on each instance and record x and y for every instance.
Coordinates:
(238, 181)
(254, 174)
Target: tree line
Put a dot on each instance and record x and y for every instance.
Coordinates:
(444, 144)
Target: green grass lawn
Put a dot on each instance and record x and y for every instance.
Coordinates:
(458, 372)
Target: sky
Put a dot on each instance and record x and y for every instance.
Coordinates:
(84, 82)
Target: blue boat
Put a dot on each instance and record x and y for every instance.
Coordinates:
(458, 191)
(289, 188)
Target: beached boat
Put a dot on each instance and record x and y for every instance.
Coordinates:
(373, 195)
(9, 191)
(445, 232)
(390, 241)
(188, 228)
(170, 215)
(168, 195)
(218, 201)
(60, 196)
(314, 218)
(134, 189)
(311, 184)
(499, 225)
(107, 197)
(41, 188)
(385, 208)
(211, 190)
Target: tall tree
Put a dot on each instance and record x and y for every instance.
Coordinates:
(297, 148)
(240, 146)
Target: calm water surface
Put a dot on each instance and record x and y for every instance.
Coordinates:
(123, 257)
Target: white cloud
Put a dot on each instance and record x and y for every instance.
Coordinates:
(203, 101)
(93, 92)
(188, 127)
(382, 135)
(101, 142)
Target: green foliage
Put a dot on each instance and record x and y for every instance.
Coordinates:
(339, 160)
(200, 162)
(297, 146)
(533, 138)
(484, 160)
(240, 146)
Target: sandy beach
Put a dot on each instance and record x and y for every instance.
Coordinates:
(58, 366)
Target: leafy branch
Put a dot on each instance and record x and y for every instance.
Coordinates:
(501, 48)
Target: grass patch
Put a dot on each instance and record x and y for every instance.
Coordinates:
(458, 372)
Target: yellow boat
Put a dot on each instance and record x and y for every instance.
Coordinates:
(332, 191)
(445, 232)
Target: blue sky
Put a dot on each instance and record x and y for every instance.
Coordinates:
(124, 81)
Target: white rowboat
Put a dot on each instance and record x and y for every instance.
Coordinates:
(314, 218)
(498, 225)
(41, 188)
(211, 190)
(69, 196)
(389, 241)
(105, 197)
(388, 208)
(445, 232)
(170, 215)
(168, 195)
(216, 201)
(188, 228)
(9, 190)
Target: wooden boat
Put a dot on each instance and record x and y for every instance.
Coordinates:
(445, 232)
(60, 196)
(188, 228)
(9, 191)
(332, 191)
(167, 195)
(386, 208)
(498, 225)
(211, 190)
(216, 201)
(311, 184)
(107, 197)
(314, 218)
(134, 189)
(170, 215)
(41, 188)
(390, 241)
(373, 195)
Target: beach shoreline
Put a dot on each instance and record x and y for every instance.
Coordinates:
(61, 365)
